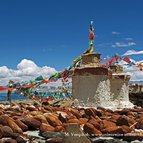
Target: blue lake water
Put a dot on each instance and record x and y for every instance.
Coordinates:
(3, 96)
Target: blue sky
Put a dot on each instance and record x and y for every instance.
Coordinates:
(55, 32)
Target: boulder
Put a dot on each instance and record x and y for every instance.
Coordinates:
(73, 121)
(75, 112)
(31, 122)
(10, 141)
(95, 122)
(59, 129)
(7, 131)
(126, 129)
(105, 124)
(139, 124)
(46, 127)
(62, 118)
(91, 130)
(41, 118)
(83, 121)
(22, 139)
(52, 119)
(133, 136)
(125, 120)
(8, 121)
(23, 126)
(90, 112)
(1, 133)
(31, 108)
(115, 130)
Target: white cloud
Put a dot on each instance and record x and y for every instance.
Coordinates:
(133, 71)
(115, 33)
(26, 70)
(129, 39)
(123, 44)
(132, 52)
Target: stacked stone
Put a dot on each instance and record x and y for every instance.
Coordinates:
(52, 121)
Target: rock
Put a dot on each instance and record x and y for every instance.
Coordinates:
(126, 129)
(54, 140)
(139, 125)
(91, 130)
(52, 119)
(41, 118)
(73, 121)
(90, 112)
(133, 136)
(62, 118)
(31, 108)
(59, 129)
(34, 113)
(75, 112)
(125, 120)
(48, 135)
(105, 124)
(114, 118)
(8, 121)
(14, 126)
(10, 141)
(22, 139)
(95, 123)
(74, 134)
(46, 127)
(48, 108)
(7, 131)
(123, 112)
(1, 110)
(1, 133)
(21, 125)
(115, 130)
(83, 121)
(31, 122)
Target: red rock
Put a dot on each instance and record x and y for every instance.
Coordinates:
(139, 125)
(115, 130)
(14, 126)
(91, 130)
(1, 133)
(46, 127)
(34, 113)
(7, 131)
(126, 129)
(8, 121)
(21, 125)
(31, 122)
(95, 123)
(31, 108)
(73, 121)
(48, 108)
(90, 112)
(106, 124)
(1, 110)
(125, 120)
(22, 139)
(83, 121)
(41, 118)
(10, 141)
(75, 112)
(53, 120)
(59, 129)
